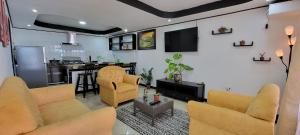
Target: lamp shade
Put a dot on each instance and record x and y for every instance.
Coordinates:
(293, 41)
(279, 53)
(289, 30)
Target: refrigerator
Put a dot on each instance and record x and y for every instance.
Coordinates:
(31, 66)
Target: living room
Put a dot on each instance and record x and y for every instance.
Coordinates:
(149, 67)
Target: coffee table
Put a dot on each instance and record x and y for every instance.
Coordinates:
(153, 110)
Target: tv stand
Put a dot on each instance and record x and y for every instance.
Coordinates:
(181, 90)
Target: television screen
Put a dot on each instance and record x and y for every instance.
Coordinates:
(185, 40)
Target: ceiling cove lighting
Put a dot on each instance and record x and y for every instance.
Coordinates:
(34, 10)
(82, 22)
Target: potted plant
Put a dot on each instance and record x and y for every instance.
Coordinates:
(147, 79)
(175, 67)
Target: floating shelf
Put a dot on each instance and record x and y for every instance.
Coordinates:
(235, 45)
(265, 60)
(226, 32)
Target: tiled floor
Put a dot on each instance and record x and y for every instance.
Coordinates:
(93, 102)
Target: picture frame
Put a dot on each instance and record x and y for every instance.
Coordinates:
(147, 40)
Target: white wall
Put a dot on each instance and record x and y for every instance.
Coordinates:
(5, 63)
(217, 63)
(92, 45)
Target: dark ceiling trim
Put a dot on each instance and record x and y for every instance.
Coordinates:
(194, 10)
(68, 28)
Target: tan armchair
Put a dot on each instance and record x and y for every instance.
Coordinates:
(49, 111)
(233, 114)
(116, 86)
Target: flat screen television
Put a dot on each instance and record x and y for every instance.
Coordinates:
(185, 40)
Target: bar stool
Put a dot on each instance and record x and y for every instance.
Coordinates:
(88, 74)
(132, 68)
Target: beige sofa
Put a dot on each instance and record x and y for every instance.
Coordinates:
(49, 111)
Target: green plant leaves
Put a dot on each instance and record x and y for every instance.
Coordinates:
(175, 67)
(177, 56)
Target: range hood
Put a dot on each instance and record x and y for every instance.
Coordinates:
(71, 39)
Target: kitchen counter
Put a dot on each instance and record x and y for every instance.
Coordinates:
(67, 73)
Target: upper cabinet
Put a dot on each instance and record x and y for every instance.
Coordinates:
(122, 43)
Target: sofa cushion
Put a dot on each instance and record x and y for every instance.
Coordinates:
(62, 110)
(197, 127)
(18, 112)
(264, 105)
(124, 87)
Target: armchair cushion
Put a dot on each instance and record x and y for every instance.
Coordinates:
(264, 106)
(114, 73)
(197, 127)
(63, 110)
(229, 100)
(107, 83)
(229, 120)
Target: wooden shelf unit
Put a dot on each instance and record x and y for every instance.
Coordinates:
(123, 43)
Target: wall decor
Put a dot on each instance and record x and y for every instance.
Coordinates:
(222, 30)
(4, 25)
(147, 40)
(262, 58)
(242, 43)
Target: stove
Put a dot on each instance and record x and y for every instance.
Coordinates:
(72, 60)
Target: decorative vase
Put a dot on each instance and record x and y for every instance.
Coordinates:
(262, 58)
(177, 77)
(242, 42)
(156, 97)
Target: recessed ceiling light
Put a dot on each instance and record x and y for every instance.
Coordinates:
(34, 11)
(82, 22)
(169, 20)
(28, 25)
(125, 30)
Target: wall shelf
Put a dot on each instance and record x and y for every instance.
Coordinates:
(226, 32)
(265, 60)
(236, 45)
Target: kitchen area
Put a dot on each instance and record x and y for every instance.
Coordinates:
(56, 63)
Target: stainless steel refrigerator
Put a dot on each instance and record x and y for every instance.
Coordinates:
(31, 65)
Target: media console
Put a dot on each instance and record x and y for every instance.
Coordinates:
(181, 90)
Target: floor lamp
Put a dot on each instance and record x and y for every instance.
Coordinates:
(289, 30)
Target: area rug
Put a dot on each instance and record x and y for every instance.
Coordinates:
(165, 124)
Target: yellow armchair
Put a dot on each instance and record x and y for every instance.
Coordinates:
(116, 86)
(234, 114)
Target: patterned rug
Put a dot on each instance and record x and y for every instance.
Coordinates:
(165, 124)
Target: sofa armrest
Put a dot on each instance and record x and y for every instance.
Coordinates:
(229, 100)
(98, 122)
(107, 83)
(229, 120)
(131, 79)
(51, 94)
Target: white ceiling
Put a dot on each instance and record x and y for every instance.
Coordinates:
(102, 14)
